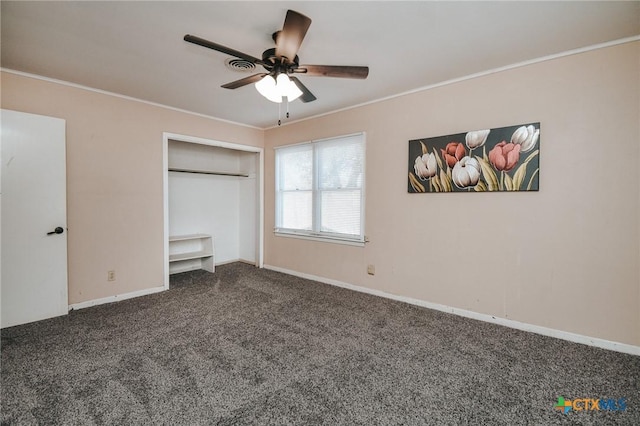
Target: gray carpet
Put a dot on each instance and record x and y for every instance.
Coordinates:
(250, 346)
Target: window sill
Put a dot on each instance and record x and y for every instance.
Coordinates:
(320, 238)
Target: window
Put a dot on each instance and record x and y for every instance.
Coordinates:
(320, 189)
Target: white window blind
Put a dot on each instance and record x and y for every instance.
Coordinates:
(320, 189)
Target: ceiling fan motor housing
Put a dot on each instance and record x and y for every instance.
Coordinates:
(278, 64)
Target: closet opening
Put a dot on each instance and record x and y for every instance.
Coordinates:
(213, 204)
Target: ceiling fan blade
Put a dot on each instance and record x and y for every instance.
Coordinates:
(244, 81)
(307, 96)
(220, 48)
(290, 38)
(333, 71)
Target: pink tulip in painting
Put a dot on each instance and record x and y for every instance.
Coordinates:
(504, 156)
(453, 152)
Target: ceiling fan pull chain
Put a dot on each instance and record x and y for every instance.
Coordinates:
(279, 114)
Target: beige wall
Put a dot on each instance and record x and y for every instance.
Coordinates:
(566, 257)
(114, 179)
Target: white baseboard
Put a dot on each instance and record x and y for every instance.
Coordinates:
(551, 332)
(119, 297)
(116, 298)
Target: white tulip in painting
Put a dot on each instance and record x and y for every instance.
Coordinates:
(476, 138)
(426, 166)
(466, 172)
(526, 137)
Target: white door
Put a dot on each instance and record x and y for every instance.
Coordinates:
(33, 205)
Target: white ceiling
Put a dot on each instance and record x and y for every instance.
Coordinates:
(137, 48)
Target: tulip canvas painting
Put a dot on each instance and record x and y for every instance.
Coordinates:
(501, 159)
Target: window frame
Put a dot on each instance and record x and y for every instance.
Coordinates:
(316, 193)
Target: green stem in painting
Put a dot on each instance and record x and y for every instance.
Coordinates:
(502, 180)
(531, 180)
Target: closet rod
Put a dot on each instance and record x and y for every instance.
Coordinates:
(204, 172)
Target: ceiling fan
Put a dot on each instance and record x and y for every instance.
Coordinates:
(282, 61)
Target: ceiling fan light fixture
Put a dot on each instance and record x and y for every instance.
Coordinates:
(276, 89)
(268, 88)
(289, 89)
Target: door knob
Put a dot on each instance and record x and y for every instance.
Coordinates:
(58, 230)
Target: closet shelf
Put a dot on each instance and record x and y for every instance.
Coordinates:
(188, 256)
(191, 247)
(188, 237)
(206, 172)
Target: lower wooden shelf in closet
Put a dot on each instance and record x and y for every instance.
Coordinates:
(191, 252)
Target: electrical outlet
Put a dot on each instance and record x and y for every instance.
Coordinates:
(111, 275)
(371, 269)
